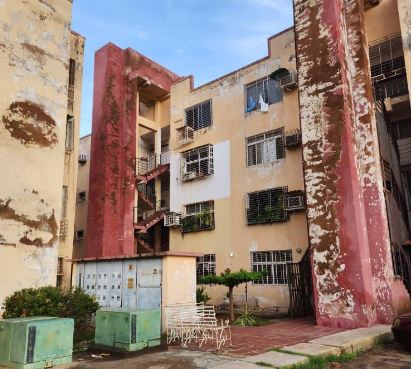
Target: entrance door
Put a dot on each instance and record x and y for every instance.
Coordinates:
(149, 283)
(300, 288)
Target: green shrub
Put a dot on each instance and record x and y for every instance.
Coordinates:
(246, 319)
(56, 302)
(202, 295)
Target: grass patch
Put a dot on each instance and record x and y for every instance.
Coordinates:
(321, 362)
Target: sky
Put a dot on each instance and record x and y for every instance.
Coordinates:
(205, 38)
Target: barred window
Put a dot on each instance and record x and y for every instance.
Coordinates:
(199, 116)
(206, 265)
(69, 133)
(198, 217)
(386, 55)
(197, 163)
(72, 69)
(274, 263)
(64, 209)
(268, 88)
(266, 206)
(265, 147)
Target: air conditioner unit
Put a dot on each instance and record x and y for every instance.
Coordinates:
(185, 135)
(188, 176)
(82, 158)
(293, 139)
(289, 80)
(295, 201)
(172, 219)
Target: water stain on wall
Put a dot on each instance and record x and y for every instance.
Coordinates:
(27, 122)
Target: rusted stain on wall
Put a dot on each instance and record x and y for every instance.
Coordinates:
(29, 220)
(28, 123)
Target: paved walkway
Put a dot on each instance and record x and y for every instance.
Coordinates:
(283, 332)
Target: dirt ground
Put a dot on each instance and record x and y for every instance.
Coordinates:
(386, 357)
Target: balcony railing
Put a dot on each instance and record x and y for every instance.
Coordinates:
(392, 87)
(146, 164)
(266, 214)
(197, 222)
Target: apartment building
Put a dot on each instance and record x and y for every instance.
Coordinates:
(41, 63)
(236, 174)
(295, 165)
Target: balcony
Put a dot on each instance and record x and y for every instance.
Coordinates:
(198, 222)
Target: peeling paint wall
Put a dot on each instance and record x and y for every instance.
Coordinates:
(34, 58)
(233, 240)
(346, 209)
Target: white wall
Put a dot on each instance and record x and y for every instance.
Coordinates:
(214, 187)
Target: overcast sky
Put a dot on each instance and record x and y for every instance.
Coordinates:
(206, 38)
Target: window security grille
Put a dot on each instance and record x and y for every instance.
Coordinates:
(60, 266)
(82, 158)
(197, 163)
(274, 263)
(269, 89)
(199, 116)
(386, 56)
(265, 147)
(72, 70)
(206, 265)
(198, 217)
(69, 134)
(267, 206)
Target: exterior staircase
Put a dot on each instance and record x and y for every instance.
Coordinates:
(153, 173)
(152, 220)
(144, 202)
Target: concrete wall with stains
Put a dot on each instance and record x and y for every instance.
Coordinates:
(77, 46)
(233, 240)
(348, 229)
(34, 58)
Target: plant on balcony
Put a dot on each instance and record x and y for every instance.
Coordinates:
(231, 280)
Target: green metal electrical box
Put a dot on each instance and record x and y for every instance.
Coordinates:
(35, 342)
(128, 330)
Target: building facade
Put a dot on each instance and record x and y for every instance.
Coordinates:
(36, 50)
(295, 165)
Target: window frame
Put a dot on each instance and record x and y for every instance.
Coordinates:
(199, 219)
(188, 159)
(264, 82)
(208, 267)
(198, 123)
(264, 141)
(275, 262)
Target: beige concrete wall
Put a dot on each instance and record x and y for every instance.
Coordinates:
(34, 57)
(175, 270)
(382, 20)
(232, 240)
(77, 45)
(404, 13)
(81, 217)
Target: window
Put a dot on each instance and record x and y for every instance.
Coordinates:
(206, 265)
(69, 134)
(64, 201)
(72, 69)
(265, 147)
(199, 116)
(266, 206)
(59, 272)
(80, 235)
(198, 217)
(274, 263)
(268, 88)
(197, 163)
(81, 196)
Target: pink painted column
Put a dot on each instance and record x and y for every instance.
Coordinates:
(112, 183)
(346, 210)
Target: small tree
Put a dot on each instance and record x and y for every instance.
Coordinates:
(231, 280)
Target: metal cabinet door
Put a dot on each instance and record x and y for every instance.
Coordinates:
(80, 275)
(149, 278)
(129, 283)
(102, 281)
(89, 283)
(115, 283)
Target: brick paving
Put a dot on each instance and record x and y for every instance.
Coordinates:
(283, 332)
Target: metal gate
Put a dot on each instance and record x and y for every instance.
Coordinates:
(300, 288)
